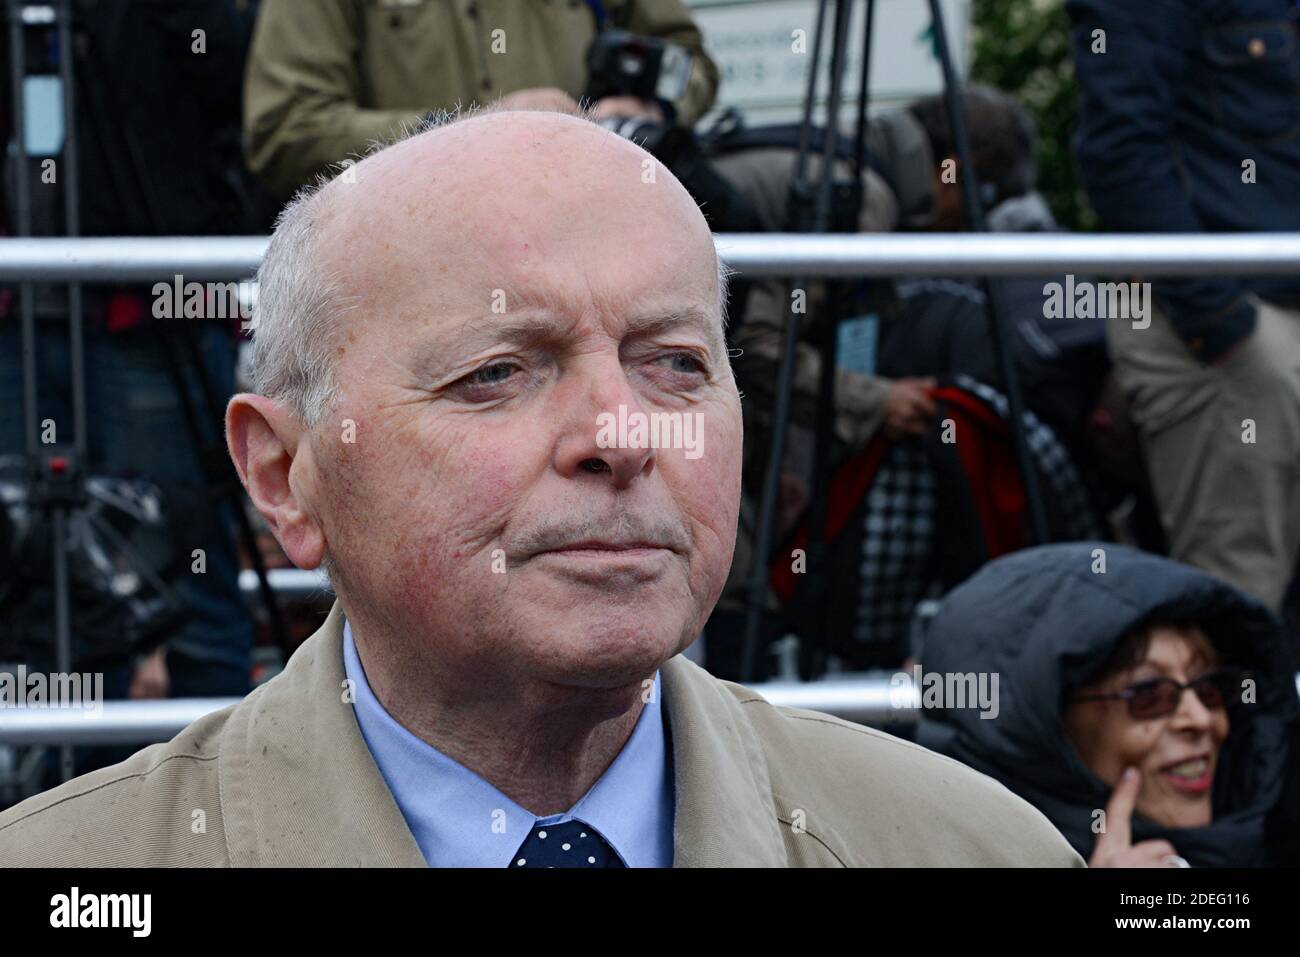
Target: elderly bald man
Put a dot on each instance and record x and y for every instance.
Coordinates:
(443, 335)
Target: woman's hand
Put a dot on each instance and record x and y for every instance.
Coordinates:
(1115, 847)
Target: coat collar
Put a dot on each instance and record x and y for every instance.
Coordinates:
(725, 813)
(299, 787)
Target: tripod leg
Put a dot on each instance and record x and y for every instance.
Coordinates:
(815, 640)
(992, 291)
(57, 510)
(765, 524)
(76, 354)
(813, 649)
(219, 472)
(800, 194)
(816, 649)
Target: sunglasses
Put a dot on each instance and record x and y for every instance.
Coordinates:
(1159, 697)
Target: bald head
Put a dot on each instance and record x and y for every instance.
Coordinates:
(482, 203)
(478, 183)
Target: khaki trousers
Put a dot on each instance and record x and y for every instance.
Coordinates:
(1222, 445)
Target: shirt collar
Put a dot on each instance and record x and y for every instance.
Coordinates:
(460, 820)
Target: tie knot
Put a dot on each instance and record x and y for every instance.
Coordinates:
(568, 844)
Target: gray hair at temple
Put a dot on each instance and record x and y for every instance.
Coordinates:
(299, 305)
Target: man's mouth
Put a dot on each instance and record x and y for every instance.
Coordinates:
(609, 548)
(608, 564)
(608, 554)
(1192, 775)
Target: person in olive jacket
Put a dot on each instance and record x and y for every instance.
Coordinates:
(320, 88)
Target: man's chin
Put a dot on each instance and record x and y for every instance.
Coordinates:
(600, 652)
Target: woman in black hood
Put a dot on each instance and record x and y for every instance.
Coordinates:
(1094, 646)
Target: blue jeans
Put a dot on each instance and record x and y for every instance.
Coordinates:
(135, 422)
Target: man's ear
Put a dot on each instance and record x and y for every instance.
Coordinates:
(272, 454)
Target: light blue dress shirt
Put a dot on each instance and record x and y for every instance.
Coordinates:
(460, 820)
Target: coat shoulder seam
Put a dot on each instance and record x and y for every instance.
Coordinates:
(98, 787)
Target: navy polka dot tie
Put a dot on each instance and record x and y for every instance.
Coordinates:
(571, 844)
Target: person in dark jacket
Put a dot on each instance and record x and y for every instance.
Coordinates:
(938, 325)
(1077, 634)
(158, 132)
(1189, 122)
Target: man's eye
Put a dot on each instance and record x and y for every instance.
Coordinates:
(484, 383)
(686, 363)
(493, 374)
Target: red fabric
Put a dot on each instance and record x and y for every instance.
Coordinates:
(988, 461)
(123, 311)
(848, 486)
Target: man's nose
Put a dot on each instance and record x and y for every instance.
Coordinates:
(605, 429)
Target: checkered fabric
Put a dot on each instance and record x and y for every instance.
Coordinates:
(896, 569)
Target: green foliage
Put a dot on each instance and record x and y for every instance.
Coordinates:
(1023, 47)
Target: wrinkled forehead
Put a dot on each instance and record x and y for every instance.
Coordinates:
(574, 223)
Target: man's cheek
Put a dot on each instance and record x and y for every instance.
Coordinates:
(449, 539)
(712, 490)
(434, 575)
(467, 467)
(463, 527)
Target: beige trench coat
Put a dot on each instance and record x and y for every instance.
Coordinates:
(284, 778)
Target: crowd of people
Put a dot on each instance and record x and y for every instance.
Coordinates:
(1147, 652)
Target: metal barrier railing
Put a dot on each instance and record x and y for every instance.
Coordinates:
(868, 701)
(140, 259)
(296, 584)
(872, 700)
(115, 722)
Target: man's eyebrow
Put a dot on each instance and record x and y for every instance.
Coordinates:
(661, 322)
(531, 327)
(479, 332)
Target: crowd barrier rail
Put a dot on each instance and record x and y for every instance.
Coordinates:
(755, 255)
(876, 699)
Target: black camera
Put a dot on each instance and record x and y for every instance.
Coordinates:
(620, 63)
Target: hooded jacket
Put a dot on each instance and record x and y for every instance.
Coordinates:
(1045, 621)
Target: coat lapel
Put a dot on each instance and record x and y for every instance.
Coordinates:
(724, 810)
(298, 785)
